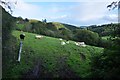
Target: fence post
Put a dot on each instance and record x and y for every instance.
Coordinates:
(20, 50)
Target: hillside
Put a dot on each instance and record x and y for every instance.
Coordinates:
(41, 58)
(71, 27)
(56, 25)
(59, 30)
(46, 57)
(105, 29)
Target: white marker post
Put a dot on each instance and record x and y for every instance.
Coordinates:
(20, 50)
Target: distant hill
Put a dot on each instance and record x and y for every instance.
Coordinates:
(58, 25)
(58, 30)
(104, 30)
(71, 27)
(83, 26)
(67, 31)
(53, 29)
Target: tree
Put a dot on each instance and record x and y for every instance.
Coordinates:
(26, 19)
(87, 36)
(19, 18)
(8, 5)
(44, 20)
(8, 42)
(114, 5)
(107, 64)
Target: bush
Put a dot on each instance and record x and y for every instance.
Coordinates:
(9, 49)
(7, 25)
(87, 36)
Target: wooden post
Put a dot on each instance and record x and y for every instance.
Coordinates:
(20, 50)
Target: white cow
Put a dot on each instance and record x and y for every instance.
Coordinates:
(67, 42)
(38, 36)
(76, 44)
(80, 44)
(60, 39)
(63, 43)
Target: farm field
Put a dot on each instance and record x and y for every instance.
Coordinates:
(61, 40)
(46, 57)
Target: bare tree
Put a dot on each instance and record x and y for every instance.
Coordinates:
(8, 5)
(114, 5)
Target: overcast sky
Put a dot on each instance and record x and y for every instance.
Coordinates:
(75, 12)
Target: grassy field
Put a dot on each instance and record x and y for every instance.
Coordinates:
(46, 57)
(20, 26)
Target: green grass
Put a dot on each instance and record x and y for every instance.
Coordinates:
(20, 26)
(105, 37)
(58, 25)
(53, 55)
(108, 37)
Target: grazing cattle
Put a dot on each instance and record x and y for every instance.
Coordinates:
(67, 42)
(60, 39)
(80, 44)
(76, 44)
(38, 36)
(63, 43)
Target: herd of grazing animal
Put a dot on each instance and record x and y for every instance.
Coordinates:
(76, 43)
(63, 42)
